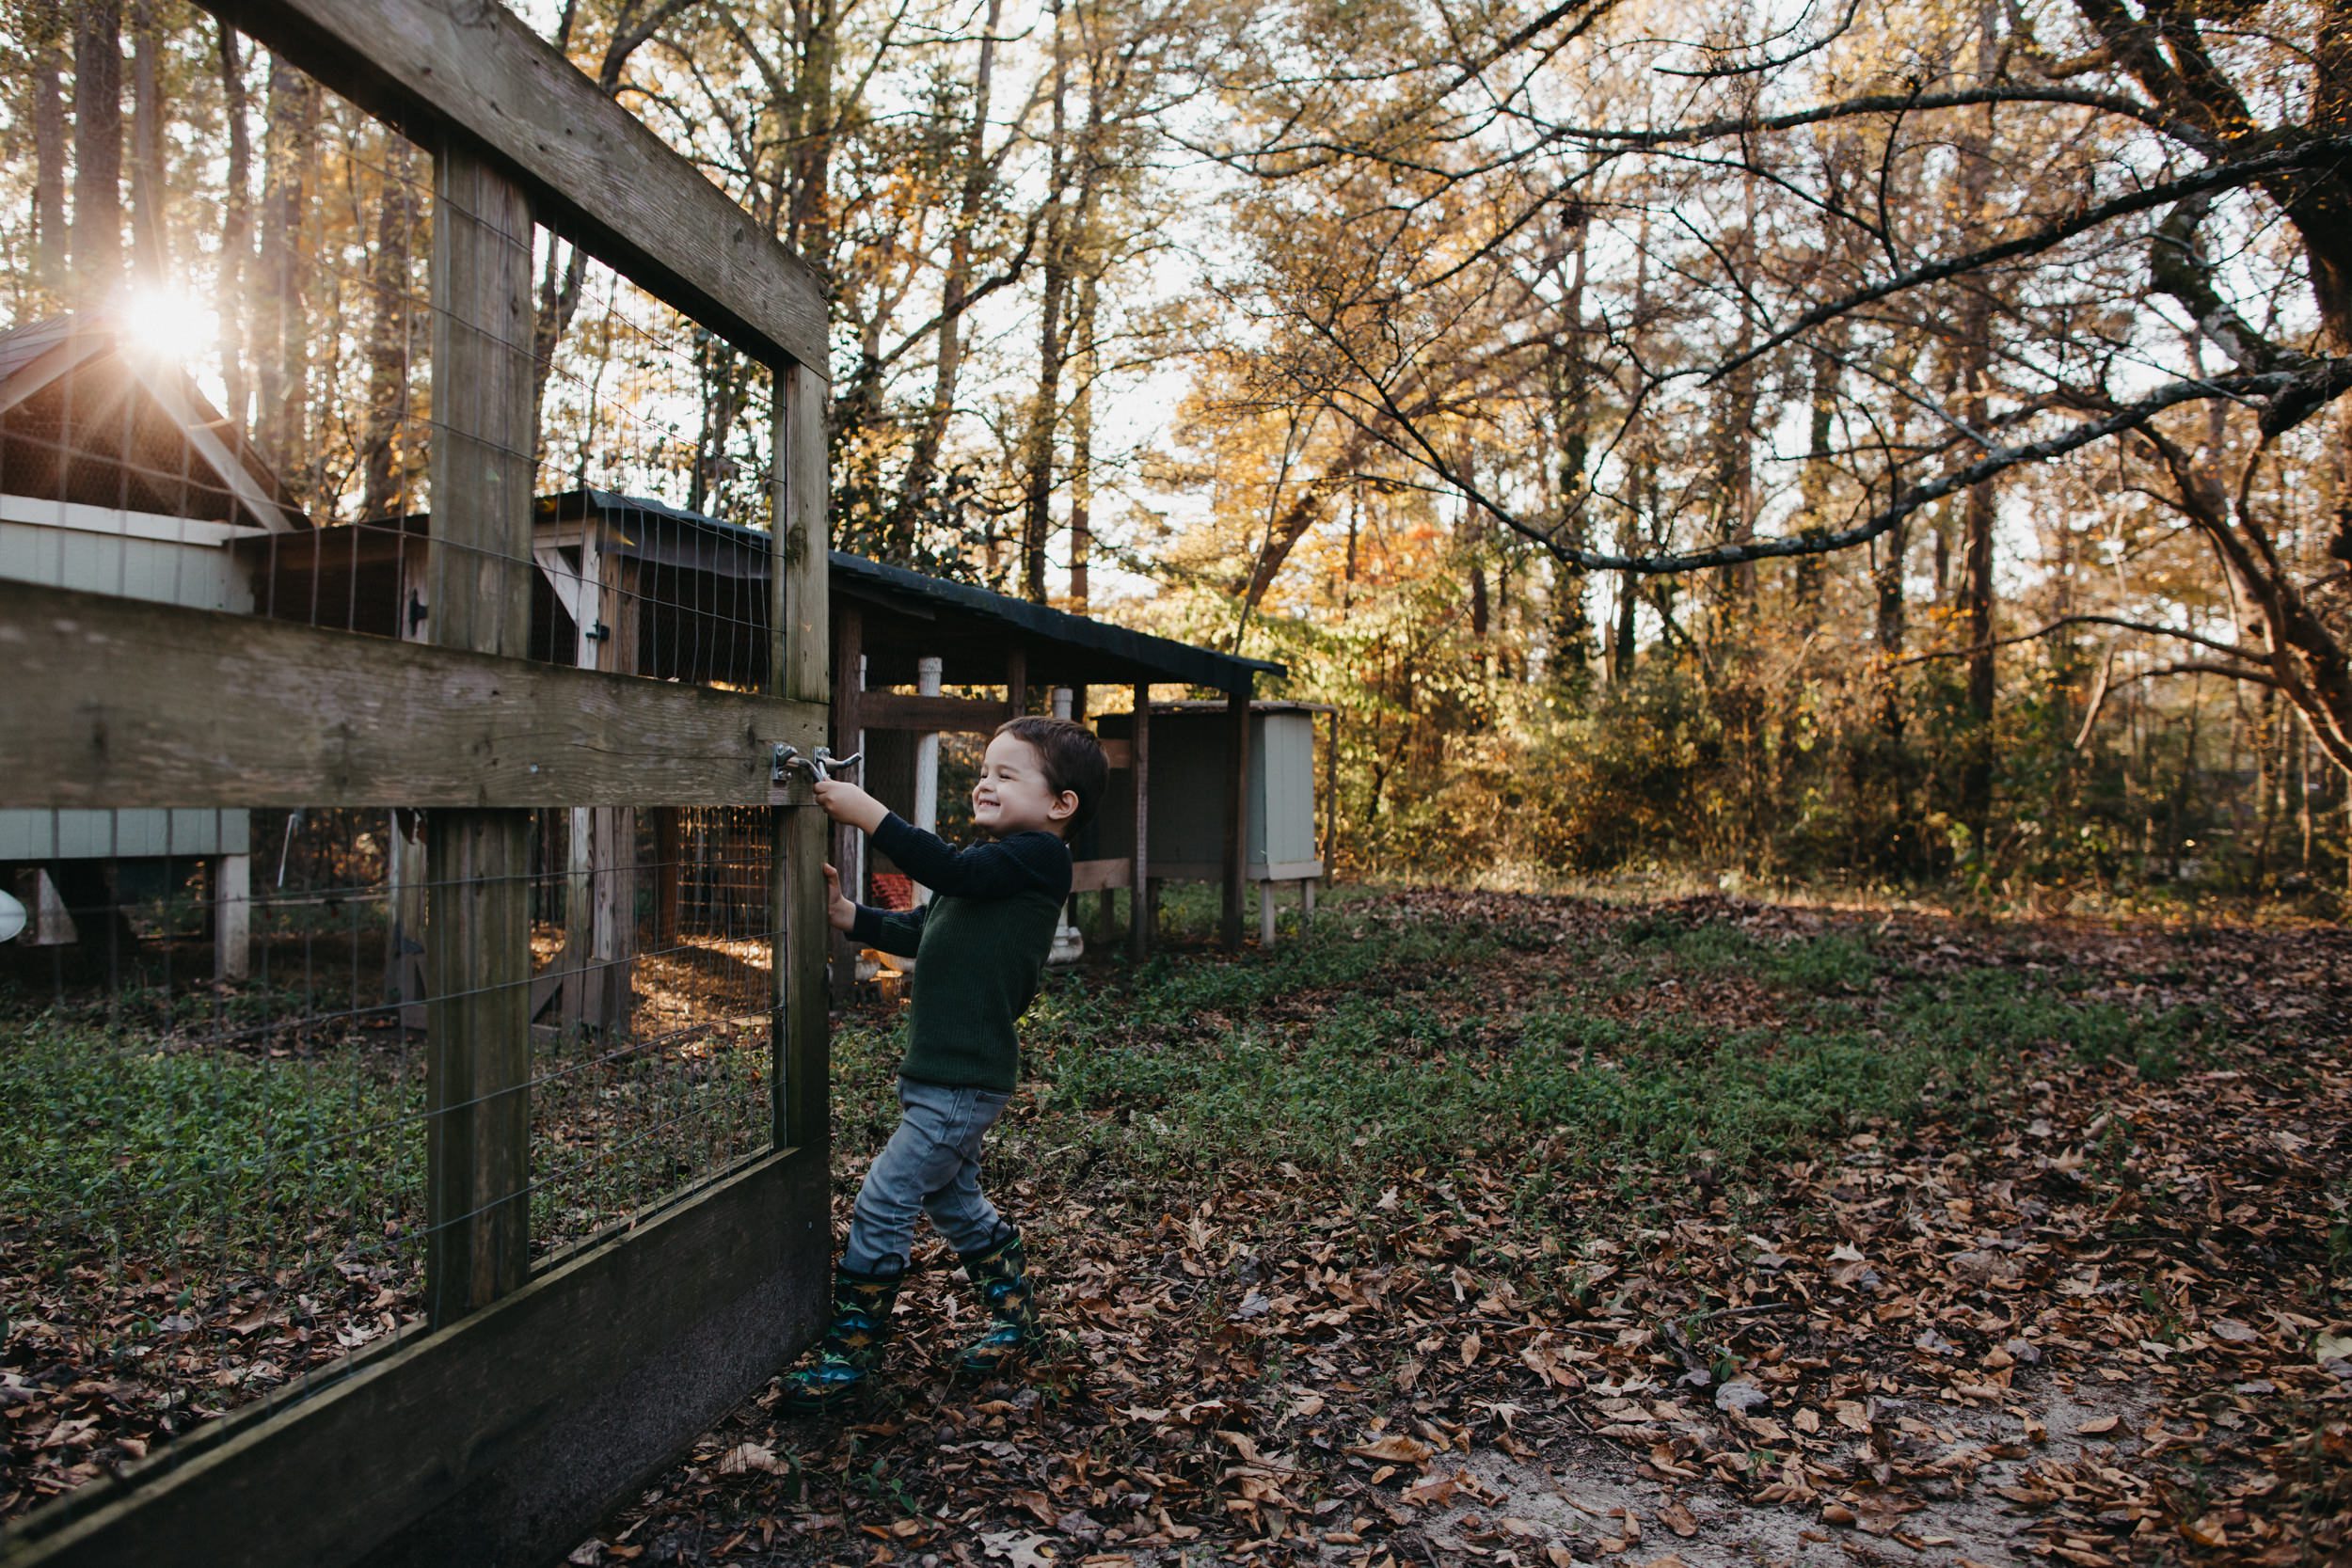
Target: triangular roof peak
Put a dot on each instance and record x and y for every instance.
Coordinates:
(66, 385)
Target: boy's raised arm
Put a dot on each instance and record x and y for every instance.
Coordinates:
(992, 870)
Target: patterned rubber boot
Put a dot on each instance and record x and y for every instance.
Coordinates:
(850, 1353)
(1002, 1274)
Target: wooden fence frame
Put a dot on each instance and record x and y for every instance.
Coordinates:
(534, 1404)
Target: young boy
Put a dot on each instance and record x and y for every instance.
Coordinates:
(980, 947)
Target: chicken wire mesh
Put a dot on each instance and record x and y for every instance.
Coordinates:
(213, 1029)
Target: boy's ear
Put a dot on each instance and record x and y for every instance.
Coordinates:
(1064, 806)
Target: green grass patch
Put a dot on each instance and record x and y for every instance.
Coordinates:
(148, 1152)
(1825, 965)
(2003, 1013)
(1408, 1053)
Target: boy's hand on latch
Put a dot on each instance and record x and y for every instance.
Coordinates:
(845, 802)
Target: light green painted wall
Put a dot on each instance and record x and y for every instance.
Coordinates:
(160, 571)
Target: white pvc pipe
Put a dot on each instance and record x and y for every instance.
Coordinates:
(926, 674)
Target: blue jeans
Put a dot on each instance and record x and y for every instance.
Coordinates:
(932, 1166)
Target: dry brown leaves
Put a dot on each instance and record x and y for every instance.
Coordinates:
(2105, 1327)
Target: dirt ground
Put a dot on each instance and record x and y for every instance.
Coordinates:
(2095, 1313)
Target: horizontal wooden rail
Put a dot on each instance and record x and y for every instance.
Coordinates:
(595, 172)
(488, 1442)
(882, 710)
(114, 702)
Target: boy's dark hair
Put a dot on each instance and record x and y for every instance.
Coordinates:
(1072, 757)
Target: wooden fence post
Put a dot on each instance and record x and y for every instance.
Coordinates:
(1236, 810)
(800, 632)
(849, 844)
(1139, 780)
(477, 915)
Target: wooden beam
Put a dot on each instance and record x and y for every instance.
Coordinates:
(501, 1439)
(167, 384)
(82, 339)
(885, 710)
(442, 68)
(1236, 859)
(1140, 877)
(798, 672)
(117, 703)
(477, 905)
(1117, 756)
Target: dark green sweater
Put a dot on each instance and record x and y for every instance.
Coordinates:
(980, 946)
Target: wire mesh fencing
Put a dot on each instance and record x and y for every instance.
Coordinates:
(216, 1026)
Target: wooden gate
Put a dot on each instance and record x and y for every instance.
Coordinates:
(533, 1402)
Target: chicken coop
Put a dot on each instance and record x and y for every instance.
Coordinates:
(149, 502)
(1282, 839)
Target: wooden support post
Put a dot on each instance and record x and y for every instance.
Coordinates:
(849, 844)
(1266, 914)
(1140, 909)
(669, 847)
(232, 917)
(405, 870)
(798, 615)
(600, 935)
(1330, 803)
(478, 928)
(1236, 810)
(1016, 682)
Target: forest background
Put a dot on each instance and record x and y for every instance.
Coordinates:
(1887, 441)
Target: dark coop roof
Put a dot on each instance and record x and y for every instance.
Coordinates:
(908, 615)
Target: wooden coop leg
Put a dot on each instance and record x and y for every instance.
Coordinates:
(1266, 915)
(1140, 909)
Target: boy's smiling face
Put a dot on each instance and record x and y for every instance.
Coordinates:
(1012, 795)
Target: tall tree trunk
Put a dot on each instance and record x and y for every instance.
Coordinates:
(1037, 447)
(810, 229)
(1735, 502)
(97, 149)
(1571, 403)
(1471, 538)
(1886, 579)
(1977, 514)
(236, 230)
(281, 335)
(1643, 489)
(1814, 489)
(385, 459)
(1082, 440)
(567, 270)
(151, 235)
(956, 286)
(44, 44)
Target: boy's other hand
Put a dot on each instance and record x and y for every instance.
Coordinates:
(845, 802)
(839, 910)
